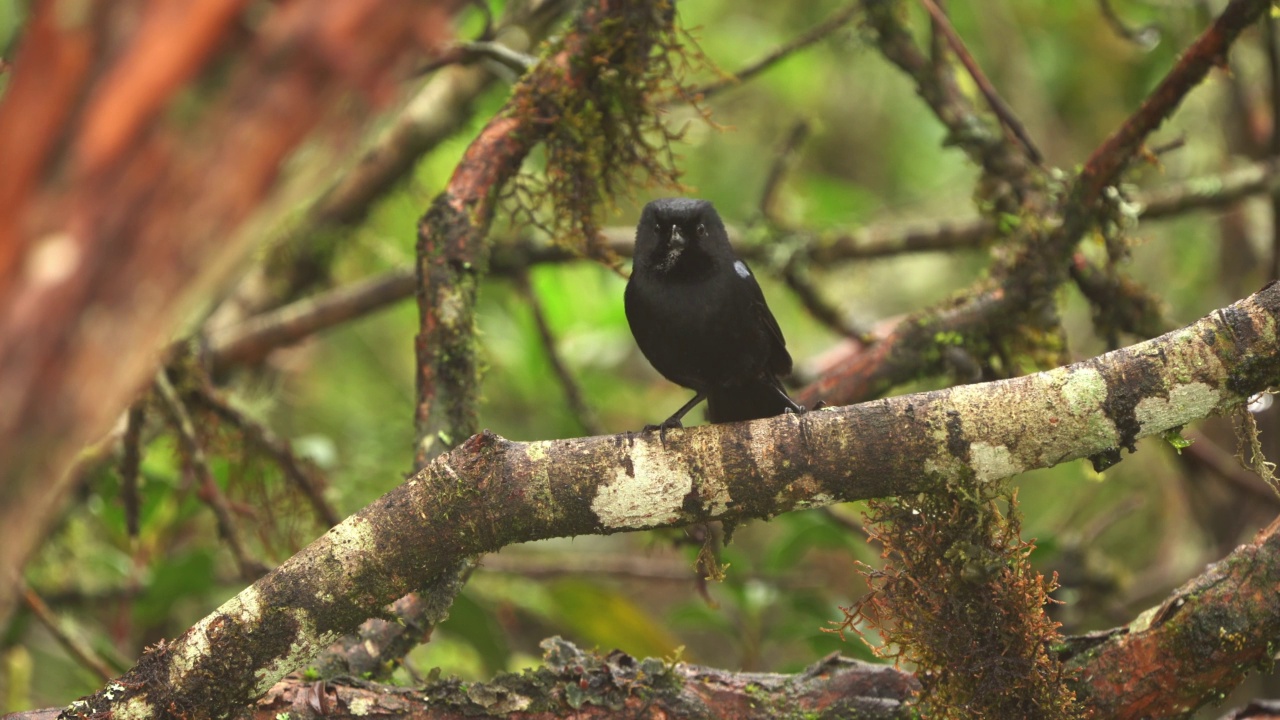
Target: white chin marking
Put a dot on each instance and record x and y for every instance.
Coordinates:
(741, 268)
(670, 260)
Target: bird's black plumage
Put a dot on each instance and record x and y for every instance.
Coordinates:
(699, 316)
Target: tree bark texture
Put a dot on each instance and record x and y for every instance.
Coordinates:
(1194, 647)
(491, 492)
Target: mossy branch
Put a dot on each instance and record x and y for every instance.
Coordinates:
(492, 492)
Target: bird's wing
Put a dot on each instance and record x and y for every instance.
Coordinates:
(779, 358)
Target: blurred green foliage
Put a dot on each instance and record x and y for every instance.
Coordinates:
(875, 156)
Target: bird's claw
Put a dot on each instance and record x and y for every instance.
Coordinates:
(801, 409)
(662, 428)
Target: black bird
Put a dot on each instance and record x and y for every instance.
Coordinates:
(699, 316)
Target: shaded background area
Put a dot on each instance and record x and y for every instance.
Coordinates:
(874, 157)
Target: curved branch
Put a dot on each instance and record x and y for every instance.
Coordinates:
(491, 492)
(1197, 645)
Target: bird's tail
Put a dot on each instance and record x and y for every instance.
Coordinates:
(760, 399)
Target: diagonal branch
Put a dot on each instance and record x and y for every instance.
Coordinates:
(1104, 166)
(1022, 285)
(1197, 645)
(491, 492)
(836, 20)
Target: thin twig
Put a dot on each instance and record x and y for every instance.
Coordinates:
(130, 460)
(1119, 303)
(250, 341)
(833, 22)
(998, 105)
(1144, 37)
(794, 271)
(783, 160)
(1212, 192)
(573, 395)
(74, 645)
(496, 51)
(1272, 43)
(209, 491)
(796, 275)
(303, 475)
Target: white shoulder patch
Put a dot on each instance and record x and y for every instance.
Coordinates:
(741, 268)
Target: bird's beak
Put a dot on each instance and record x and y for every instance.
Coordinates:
(677, 239)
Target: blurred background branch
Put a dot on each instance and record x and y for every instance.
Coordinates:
(131, 201)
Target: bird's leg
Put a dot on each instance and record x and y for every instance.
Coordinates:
(792, 405)
(674, 420)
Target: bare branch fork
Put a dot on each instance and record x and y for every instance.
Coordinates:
(491, 492)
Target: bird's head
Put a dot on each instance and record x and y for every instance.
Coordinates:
(680, 235)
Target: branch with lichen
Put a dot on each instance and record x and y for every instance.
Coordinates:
(1194, 647)
(1014, 310)
(491, 492)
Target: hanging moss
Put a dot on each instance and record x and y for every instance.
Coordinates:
(958, 598)
(604, 127)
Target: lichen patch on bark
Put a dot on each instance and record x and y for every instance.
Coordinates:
(656, 498)
(993, 462)
(1185, 403)
(1083, 388)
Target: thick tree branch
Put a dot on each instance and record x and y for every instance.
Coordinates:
(584, 685)
(1197, 645)
(491, 492)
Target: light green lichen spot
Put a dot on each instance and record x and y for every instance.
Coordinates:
(992, 462)
(819, 500)
(135, 708)
(536, 451)
(1184, 404)
(1084, 390)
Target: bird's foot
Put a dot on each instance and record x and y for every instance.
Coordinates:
(670, 423)
(801, 409)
